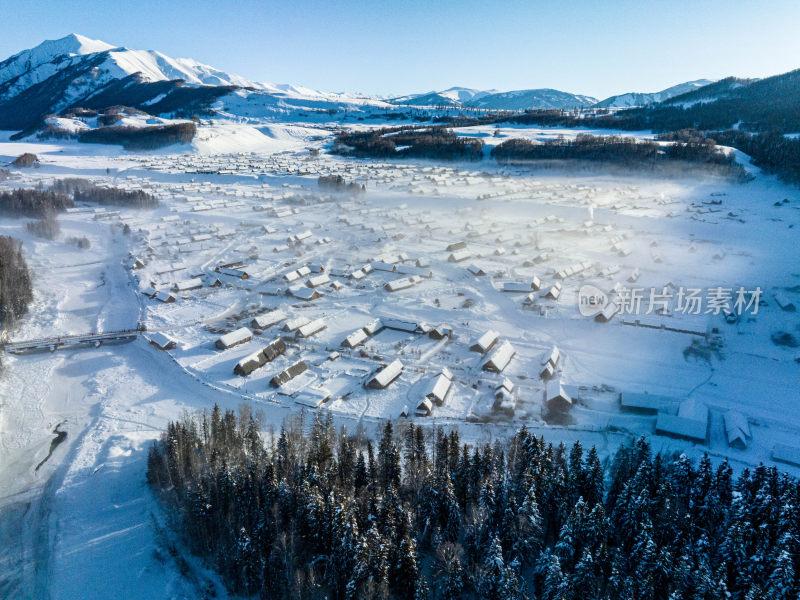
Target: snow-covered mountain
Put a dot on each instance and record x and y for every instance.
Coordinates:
(641, 99)
(76, 71)
(494, 99)
(454, 96)
(52, 57)
(79, 72)
(529, 99)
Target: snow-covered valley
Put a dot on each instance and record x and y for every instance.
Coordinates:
(437, 253)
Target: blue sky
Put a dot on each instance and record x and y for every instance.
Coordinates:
(393, 47)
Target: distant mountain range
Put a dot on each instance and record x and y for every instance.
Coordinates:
(58, 76)
(541, 98)
(642, 99)
(459, 97)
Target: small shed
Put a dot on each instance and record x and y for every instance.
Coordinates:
(289, 373)
(310, 328)
(374, 326)
(456, 246)
(555, 397)
(439, 387)
(424, 407)
(250, 363)
(737, 429)
(383, 378)
(459, 255)
(358, 337)
(500, 358)
(517, 287)
(440, 332)
(274, 349)
(485, 343)
(608, 312)
(162, 341)
(236, 273)
(268, 320)
(165, 297)
(187, 285)
(295, 323)
(407, 326)
(384, 266)
(234, 338)
(691, 422)
(646, 404)
(305, 293)
(318, 280)
(402, 284)
(554, 292)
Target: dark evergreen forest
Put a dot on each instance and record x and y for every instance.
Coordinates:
(320, 512)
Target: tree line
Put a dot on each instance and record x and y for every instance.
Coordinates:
(409, 142)
(141, 138)
(628, 151)
(337, 183)
(16, 291)
(771, 151)
(320, 512)
(33, 202)
(84, 190)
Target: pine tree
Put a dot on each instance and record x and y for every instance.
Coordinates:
(405, 574)
(780, 585)
(422, 591)
(555, 584)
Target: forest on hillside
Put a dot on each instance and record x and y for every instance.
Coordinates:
(141, 138)
(626, 151)
(16, 290)
(409, 142)
(33, 202)
(773, 152)
(320, 512)
(84, 190)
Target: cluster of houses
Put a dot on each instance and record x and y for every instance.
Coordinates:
(686, 419)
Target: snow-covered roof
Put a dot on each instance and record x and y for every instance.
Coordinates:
(438, 387)
(311, 328)
(269, 319)
(295, 323)
(355, 338)
(694, 429)
(387, 375)
(484, 343)
(161, 340)
(234, 337)
(500, 357)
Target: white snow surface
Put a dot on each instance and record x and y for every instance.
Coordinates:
(85, 525)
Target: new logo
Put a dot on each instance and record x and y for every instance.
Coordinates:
(591, 300)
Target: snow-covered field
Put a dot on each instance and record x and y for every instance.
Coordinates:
(247, 197)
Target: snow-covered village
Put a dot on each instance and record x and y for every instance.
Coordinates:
(225, 322)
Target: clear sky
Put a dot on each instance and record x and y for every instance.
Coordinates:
(597, 48)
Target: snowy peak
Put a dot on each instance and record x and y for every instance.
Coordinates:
(465, 95)
(75, 43)
(632, 99)
(50, 57)
(494, 99)
(544, 98)
(49, 52)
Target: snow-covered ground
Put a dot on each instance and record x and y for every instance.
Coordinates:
(247, 196)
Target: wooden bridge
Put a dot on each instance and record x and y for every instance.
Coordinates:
(70, 341)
